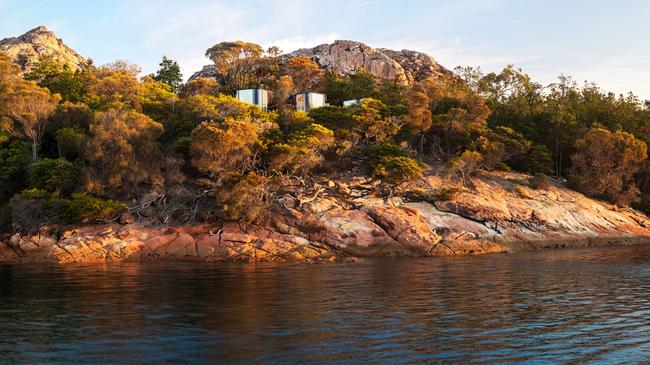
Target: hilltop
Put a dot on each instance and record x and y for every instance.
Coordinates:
(345, 57)
(26, 49)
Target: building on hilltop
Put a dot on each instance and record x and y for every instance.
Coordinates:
(259, 97)
(307, 101)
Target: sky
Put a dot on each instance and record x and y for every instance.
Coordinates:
(606, 42)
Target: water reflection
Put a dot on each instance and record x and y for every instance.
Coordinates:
(548, 307)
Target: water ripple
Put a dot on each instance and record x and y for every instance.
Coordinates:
(555, 307)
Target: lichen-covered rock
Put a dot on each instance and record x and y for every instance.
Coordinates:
(26, 49)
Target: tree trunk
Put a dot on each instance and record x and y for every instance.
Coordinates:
(34, 150)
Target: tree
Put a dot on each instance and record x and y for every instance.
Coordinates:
(54, 176)
(245, 199)
(605, 163)
(14, 161)
(235, 63)
(464, 166)
(114, 85)
(169, 73)
(122, 152)
(58, 78)
(305, 73)
(302, 151)
(223, 150)
(398, 169)
(27, 108)
(420, 118)
(199, 86)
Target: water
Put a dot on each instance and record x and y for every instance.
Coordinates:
(554, 307)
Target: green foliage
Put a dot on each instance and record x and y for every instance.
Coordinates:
(54, 176)
(301, 151)
(169, 73)
(85, 208)
(70, 142)
(397, 169)
(363, 85)
(537, 160)
(6, 218)
(14, 160)
(501, 166)
(35, 194)
(182, 145)
(58, 78)
(157, 99)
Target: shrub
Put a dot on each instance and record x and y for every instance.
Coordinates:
(523, 192)
(446, 194)
(35, 194)
(501, 166)
(396, 170)
(245, 199)
(539, 181)
(464, 166)
(420, 195)
(85, 208)
(54, 176)
(5, 218)
(182, 145)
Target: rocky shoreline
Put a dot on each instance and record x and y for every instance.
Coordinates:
(347, 221)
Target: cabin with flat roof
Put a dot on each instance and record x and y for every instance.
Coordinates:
(307, 101)
(259, 97)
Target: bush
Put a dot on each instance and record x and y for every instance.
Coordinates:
(420, 195)
(5, 219)
(396, 170)
(464, 166)
(182, 145)
(84, 208)
(446, 194)
(35, 194)
(501, 166)
(245, 199)
(540, 181)
(54, 176)
(523, 192)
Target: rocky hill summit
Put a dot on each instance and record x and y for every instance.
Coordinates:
(348, 57)
(26, 49)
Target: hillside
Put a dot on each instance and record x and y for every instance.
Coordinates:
(105, 165)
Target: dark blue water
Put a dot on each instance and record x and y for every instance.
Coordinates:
(553, 307)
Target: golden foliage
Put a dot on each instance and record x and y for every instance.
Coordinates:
(122, 152)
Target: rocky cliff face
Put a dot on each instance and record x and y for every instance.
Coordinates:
(348, 57)
(26, 49)
(346, 220)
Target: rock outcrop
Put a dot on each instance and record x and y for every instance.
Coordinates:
(349, 57)
(26, 49)
(346, 221)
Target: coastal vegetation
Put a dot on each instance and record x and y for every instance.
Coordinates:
(86, 145)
